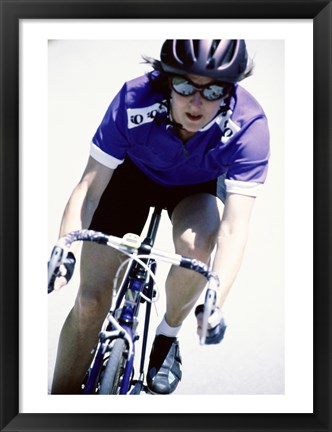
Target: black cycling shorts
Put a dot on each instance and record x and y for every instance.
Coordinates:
(126, 201)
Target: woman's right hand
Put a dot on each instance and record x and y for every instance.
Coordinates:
(63, 274)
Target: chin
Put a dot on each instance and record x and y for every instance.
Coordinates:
(193, 128)
(196, 129)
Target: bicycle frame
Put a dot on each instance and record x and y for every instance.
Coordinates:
(126, 311)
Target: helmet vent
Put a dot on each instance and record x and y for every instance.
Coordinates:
(211, 63)
(185, 51)
(214, 46)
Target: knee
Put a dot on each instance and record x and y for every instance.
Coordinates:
(195, 245)
(91, 306)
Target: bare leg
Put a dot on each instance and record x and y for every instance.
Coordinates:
(196, 222)
(80, 331)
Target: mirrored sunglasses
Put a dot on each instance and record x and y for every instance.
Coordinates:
(184, 87)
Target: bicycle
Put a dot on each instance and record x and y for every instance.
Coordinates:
(112, 368)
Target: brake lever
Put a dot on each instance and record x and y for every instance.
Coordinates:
(58, 256)
(209, 303)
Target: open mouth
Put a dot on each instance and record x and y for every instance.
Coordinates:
(192, 117)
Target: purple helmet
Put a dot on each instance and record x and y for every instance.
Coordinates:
(223, 59)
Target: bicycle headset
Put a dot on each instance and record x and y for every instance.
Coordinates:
(220, 59)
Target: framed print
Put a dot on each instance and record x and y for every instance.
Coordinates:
(275, 366)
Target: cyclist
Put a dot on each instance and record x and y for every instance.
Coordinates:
(185, 136)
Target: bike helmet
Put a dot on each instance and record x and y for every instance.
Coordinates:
(220, 59)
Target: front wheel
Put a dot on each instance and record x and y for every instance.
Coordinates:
(111, 380)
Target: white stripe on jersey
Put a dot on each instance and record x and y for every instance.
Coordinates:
(243, 188)
(104, 158)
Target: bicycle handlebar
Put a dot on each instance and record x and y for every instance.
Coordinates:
(130, 244)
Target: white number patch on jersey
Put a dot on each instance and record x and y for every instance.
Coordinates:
(228, 127)
(139, 116)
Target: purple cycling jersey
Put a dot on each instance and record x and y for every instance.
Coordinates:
(235, 143)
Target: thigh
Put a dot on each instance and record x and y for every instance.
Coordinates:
(196, 221)
(99, 265)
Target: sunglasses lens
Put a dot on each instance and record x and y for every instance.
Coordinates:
(182, 86)
(213, 92)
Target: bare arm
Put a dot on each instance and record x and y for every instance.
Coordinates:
(232, 239)
(85, 197)
(83, 202)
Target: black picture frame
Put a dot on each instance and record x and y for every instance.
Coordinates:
(12, 12)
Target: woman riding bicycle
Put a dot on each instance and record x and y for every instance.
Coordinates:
(197, 144)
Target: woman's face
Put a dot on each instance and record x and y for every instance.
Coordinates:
(193, 112)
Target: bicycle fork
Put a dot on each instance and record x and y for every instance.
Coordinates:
(105, 337)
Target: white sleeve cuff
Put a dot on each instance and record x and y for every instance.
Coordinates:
(104, 158)
(243, 188)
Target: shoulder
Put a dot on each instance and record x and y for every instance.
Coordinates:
(141, 102)
(140, 92)
(246, 106)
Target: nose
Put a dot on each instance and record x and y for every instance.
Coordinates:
(196, 99)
